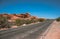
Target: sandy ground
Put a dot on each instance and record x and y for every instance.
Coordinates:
(54, 32)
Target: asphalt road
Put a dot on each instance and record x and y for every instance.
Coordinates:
(26, 32)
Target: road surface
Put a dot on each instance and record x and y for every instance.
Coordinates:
(26, 32)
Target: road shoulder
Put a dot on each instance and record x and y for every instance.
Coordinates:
(54, 32)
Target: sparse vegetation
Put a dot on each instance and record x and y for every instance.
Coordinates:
(28, 21)
(19, 22)
(4, 22)
(41, 19)
(58, 19)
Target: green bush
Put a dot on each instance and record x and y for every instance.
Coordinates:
(31, 21)
(4, 22)
(58, 19)
(41, 19)
(28, 21)
(19, 22)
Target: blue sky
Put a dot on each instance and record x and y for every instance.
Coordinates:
(39, 8)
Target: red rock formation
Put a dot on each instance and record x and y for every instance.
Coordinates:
(27, 15)
(21, 15)
(18, 16)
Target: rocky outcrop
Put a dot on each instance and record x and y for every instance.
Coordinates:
(18, 16)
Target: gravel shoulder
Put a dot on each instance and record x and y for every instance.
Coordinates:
(54, 32)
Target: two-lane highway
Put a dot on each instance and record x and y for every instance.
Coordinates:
(26, 32)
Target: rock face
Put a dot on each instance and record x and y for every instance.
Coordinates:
(18, 16)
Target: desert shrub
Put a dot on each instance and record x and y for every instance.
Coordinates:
(31, 21)
(19, 22)
(4, 22)
(8, 17)
(41, 19)
(28, 21)
(58, 19)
